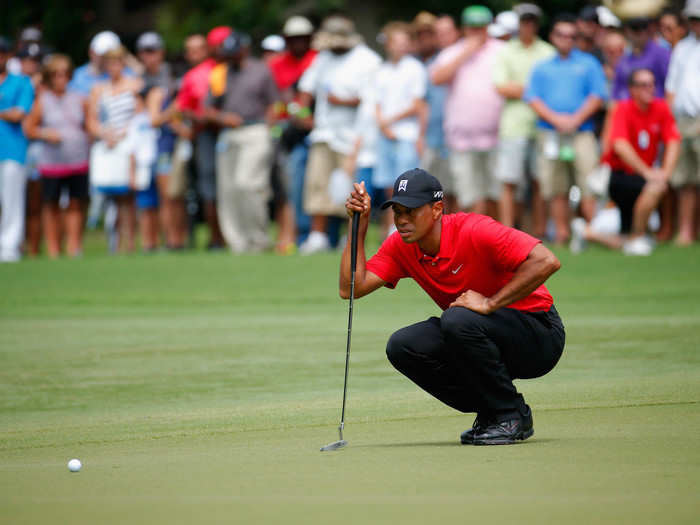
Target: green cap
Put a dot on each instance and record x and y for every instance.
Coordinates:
(477, 16)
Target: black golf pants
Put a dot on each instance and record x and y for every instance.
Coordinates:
(468, 360)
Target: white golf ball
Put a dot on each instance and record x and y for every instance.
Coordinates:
(74, 465)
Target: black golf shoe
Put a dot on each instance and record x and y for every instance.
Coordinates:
(516, 428)
(479, 425)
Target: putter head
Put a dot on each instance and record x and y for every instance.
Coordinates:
(334, 446)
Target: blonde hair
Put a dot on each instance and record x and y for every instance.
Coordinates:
(53, 63)
(118, 53)
(397, 27)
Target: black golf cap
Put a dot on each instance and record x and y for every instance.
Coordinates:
(234, 43)
(414, 188)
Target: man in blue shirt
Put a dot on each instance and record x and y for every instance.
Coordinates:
(565, 92)
(16, 97)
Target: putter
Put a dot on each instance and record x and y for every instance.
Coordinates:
(353, 265)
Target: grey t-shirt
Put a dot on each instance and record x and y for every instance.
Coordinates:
(249, 91)
(163, 78)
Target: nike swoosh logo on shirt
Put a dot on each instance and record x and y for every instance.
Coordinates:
(457, 269)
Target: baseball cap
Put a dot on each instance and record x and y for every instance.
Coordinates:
(216, 36)
(272, 43)
(234, 43)
(297, 26)
(527, 9)
(692, 9)
(104, 41)
(496, 30)
(30, 34)
(607, 18)
(414, 188)
(509, 20)
(149, 41)
(589, 13)
(477, 16)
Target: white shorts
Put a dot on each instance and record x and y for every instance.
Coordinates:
(473, 175)
(516, 158)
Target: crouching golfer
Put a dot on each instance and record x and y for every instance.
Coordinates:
(498, 321)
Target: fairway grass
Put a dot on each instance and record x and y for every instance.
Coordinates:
(198, 388)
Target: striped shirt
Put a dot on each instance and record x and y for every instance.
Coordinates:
(117, 110)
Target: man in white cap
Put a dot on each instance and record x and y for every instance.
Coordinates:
(683, 94)
(287, 68)
(91, 73)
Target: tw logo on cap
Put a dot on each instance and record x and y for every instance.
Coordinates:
(402, 185)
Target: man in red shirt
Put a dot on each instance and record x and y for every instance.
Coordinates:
(288, 67)
(190, 100)
(639, 125)
(498, 322)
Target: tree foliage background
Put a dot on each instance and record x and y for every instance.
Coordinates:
(68, 25)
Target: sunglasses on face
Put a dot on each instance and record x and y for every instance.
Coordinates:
(566, 36)
(647, 85)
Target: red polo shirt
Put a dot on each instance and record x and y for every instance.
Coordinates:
(644, 130)
(194, 87)
(476, 253)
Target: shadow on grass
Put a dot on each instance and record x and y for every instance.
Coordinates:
(455, 443)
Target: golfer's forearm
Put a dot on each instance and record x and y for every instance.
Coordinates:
(533, 272)
(345, 270)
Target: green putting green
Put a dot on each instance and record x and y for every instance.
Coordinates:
(198, 388)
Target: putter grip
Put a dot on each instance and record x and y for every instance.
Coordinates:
(353, 244)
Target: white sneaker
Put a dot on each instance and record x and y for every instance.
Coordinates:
(638, 246)
(578, 241)
(316, 242)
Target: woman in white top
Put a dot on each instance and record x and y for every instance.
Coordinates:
(111, 107)
(401, 84)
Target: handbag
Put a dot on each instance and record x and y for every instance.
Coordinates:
(109, 167)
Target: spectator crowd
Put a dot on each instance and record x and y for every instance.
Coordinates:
(591, 136)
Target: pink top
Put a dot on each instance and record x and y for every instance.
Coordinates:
(473, 107)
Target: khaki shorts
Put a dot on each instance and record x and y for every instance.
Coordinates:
(322, 161)
(555, 176)
(438, 165)
(473, 175)
(687, 170)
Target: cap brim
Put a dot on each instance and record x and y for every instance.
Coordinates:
(409, 202)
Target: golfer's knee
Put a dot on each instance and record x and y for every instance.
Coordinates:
(458, 322)
(396, 348)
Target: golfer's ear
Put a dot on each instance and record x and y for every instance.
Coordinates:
(438, 208)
